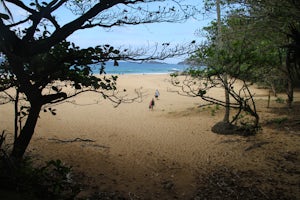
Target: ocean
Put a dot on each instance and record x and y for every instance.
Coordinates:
(140, 68)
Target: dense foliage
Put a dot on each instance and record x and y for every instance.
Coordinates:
(259, 38)
(254, 42)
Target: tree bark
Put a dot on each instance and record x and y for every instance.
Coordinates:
(220, 45)
(227, 100)
(290, 92)
(290, 82)
(23, 140)
(16, 114)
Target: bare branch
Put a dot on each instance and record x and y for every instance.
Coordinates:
(102, 13)
(157, 52)
(21, 5)
(197, 87)
(115, 96)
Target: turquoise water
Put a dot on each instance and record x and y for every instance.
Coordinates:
(140, 68)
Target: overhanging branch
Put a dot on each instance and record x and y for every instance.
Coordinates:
(114, 96)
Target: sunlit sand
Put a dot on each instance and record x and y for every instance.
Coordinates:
(150, 154)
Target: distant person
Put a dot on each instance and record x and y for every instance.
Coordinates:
(156, 94)
(151, 105)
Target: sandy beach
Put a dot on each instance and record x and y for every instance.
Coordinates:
(159, 153)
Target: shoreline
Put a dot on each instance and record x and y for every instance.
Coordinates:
(141, 68)
(150, 73)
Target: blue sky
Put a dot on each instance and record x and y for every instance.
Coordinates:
(145, 35)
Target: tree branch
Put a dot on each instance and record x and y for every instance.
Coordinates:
(53, 97)
(21, 5)
(114, 97)
(62, 33)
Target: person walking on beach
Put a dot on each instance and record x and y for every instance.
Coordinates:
(151, 105)
(156, 94)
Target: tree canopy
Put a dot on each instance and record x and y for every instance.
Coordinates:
(257, 44)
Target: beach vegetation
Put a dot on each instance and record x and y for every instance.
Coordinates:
(199, 81)
(213, 109)
(45, 69)
(279, 100)
(242, 46)
(275, 28)
(51, 180)
(213, 112)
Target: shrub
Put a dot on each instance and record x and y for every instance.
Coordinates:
(52, 181)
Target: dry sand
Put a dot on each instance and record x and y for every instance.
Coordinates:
(155, 154)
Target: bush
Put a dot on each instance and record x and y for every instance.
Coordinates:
(279, 100)
(52, 181)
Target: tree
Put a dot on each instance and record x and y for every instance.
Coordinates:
(255, 37)
(293, 61)
(272, 22)
(220, 45)
(40, 58)
(237, 58)
(218, 41)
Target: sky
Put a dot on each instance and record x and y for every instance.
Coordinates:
(145, 35)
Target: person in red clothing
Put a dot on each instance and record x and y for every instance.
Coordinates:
(152, 103)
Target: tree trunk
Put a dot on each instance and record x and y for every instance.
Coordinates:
(220, 45)
(16, 114)
(290, 82)
(227, 100)
(290, 92)
(26, 133)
